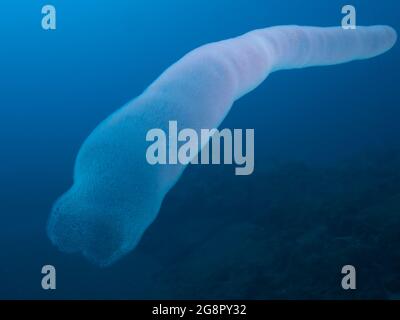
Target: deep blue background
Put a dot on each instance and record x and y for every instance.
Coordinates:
(55, 87)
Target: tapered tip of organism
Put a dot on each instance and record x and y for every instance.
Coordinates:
(117, 193)
(380, 39)
(391, 36)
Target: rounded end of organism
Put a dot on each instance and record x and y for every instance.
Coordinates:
(373, 41)
(75, 227)
(390, 35)
(383, 38)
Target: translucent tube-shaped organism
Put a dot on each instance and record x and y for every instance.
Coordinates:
(116, 194)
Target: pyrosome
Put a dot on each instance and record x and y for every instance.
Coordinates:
(117, 194)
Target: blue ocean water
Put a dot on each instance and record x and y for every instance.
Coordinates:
(326, 190)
